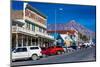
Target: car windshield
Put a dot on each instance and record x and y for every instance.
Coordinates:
(51, 47)
(58, 46)
(13, 49)
(43, 48)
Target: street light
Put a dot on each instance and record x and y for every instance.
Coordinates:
(55, 22)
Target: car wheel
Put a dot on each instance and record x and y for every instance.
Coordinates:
(63, 52)
(35, 57)
(58, 52)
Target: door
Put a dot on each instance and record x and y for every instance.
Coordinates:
(20, 53)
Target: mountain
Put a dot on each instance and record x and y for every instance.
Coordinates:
(72, 25)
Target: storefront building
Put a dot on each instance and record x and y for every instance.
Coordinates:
(66, 37)
(29, 27)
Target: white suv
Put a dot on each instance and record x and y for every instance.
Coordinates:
(33, 52)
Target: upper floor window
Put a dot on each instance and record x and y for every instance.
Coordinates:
(44, 31)
(28, 25)
(33, 27)
(40, 29)
(36, 28)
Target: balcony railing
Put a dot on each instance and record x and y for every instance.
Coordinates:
(45, 35)
(35, 22)
(16, 29)
(22, 30)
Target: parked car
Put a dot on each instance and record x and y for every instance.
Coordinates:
(53, 50)
(73, 47)
(33, 52)
(65, 48)
(44, 51)
(70, 49)
(82, 46)
(13, 49)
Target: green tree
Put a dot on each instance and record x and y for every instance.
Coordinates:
(83, 37)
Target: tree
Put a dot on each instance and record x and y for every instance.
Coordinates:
(83, 37)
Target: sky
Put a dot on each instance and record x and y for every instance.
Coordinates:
(84, 15)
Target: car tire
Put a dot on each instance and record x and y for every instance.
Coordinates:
(63, 52)
(34, 57)
(59, 52)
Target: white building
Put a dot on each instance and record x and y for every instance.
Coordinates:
(29, 28)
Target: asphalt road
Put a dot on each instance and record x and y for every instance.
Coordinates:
(87, 54)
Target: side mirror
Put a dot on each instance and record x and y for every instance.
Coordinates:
(14, 51)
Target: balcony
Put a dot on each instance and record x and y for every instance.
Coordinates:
(35, 22)
(16, 29)
(44, 35)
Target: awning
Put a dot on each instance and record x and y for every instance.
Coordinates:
(44, 36)
(20, 22)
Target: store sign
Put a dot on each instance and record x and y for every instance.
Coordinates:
(34, 16)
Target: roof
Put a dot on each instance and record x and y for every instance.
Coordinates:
(71, 31)
(64, 37)
(62, 31)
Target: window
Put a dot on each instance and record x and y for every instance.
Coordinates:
(34, 48)
(51, 47)
(27, 25)
(27, 12)
(33, 27)
(13, 49)
(40, 29)
(58, 46)
(43, 48)
(36, 28)
(44, 31)
(21, 49)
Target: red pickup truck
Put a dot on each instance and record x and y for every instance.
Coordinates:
(53, 50)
